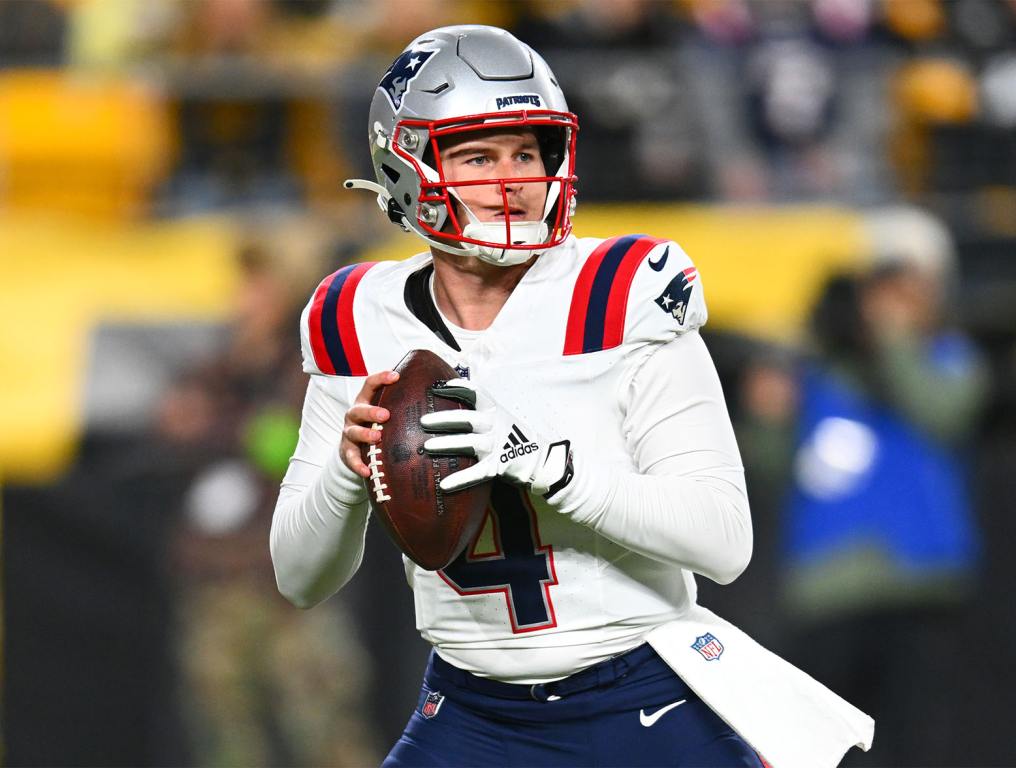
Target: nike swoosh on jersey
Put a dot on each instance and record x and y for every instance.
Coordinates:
(650, 720)
(658, 264)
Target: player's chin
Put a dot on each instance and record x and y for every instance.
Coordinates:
(515, 218)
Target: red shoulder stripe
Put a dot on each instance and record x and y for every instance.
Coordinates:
(333, 338)
(576, 328)
(617, 302)
(347, 327)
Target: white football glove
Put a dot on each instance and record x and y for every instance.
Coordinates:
(504, 445)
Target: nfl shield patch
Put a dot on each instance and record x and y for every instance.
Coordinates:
(710, 648)
(432, 705)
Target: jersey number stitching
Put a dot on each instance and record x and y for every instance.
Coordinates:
(520, 567)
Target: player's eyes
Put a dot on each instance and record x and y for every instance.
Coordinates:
(476, 160)
(526, 157)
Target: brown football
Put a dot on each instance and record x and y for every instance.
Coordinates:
(432, 527)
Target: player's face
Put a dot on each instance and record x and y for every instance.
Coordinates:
(497, 154)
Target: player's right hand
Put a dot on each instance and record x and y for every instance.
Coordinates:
(361, 421)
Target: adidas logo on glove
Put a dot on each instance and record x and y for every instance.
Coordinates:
(517, 445)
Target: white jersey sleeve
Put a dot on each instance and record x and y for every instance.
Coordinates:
(321, 515)
(686, 502)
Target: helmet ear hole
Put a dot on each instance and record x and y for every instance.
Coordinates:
(552, 141)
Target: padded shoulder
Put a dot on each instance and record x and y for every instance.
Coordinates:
(666, 297)
(328, 335)
(633, 288)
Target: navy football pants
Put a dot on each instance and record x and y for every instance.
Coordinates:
(618, 713)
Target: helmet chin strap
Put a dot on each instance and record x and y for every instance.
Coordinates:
(522, 233)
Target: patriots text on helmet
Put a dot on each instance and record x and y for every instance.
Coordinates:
(518, 100)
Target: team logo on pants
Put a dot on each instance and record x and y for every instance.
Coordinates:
(710, 648)
(432, 705)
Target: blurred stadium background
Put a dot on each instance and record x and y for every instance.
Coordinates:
(170, 194)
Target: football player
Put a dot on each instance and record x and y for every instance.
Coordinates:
(568, 633)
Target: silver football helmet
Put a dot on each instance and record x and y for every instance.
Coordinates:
(450, 81)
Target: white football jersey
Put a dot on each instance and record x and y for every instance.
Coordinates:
(597, 345)
(538, 595)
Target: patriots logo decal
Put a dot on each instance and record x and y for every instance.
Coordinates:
(396, 81)
(675, 297)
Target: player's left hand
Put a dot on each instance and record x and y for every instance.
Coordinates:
(504, 444)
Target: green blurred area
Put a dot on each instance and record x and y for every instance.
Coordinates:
(270, 439)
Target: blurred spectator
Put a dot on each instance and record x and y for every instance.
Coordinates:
(915, 21)
(232, 136)
(634, 117)
(32, 34)
(950, 142)
(791, 98)
(998, 91)
(384, 25)
(930, 94)
(115, 35)
(983, 27)
(264, 684)
(882, 547)
(792, 89)
(225, 27)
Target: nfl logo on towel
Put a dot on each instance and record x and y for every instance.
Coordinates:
(710, 648)
(432, 705)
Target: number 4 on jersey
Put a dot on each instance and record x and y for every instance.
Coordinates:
(520, 566)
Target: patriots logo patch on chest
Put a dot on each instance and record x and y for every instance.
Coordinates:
(396, 81)
(675, 297)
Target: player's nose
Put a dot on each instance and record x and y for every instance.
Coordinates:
(511, 172)
(506, 168)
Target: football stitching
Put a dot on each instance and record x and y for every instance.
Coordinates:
(375, 463)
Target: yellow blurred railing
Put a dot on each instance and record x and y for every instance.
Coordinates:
(78, 143)
(59, 277)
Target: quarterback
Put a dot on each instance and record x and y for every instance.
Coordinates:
(568, 632)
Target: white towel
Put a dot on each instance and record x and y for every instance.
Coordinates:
(789, 718)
